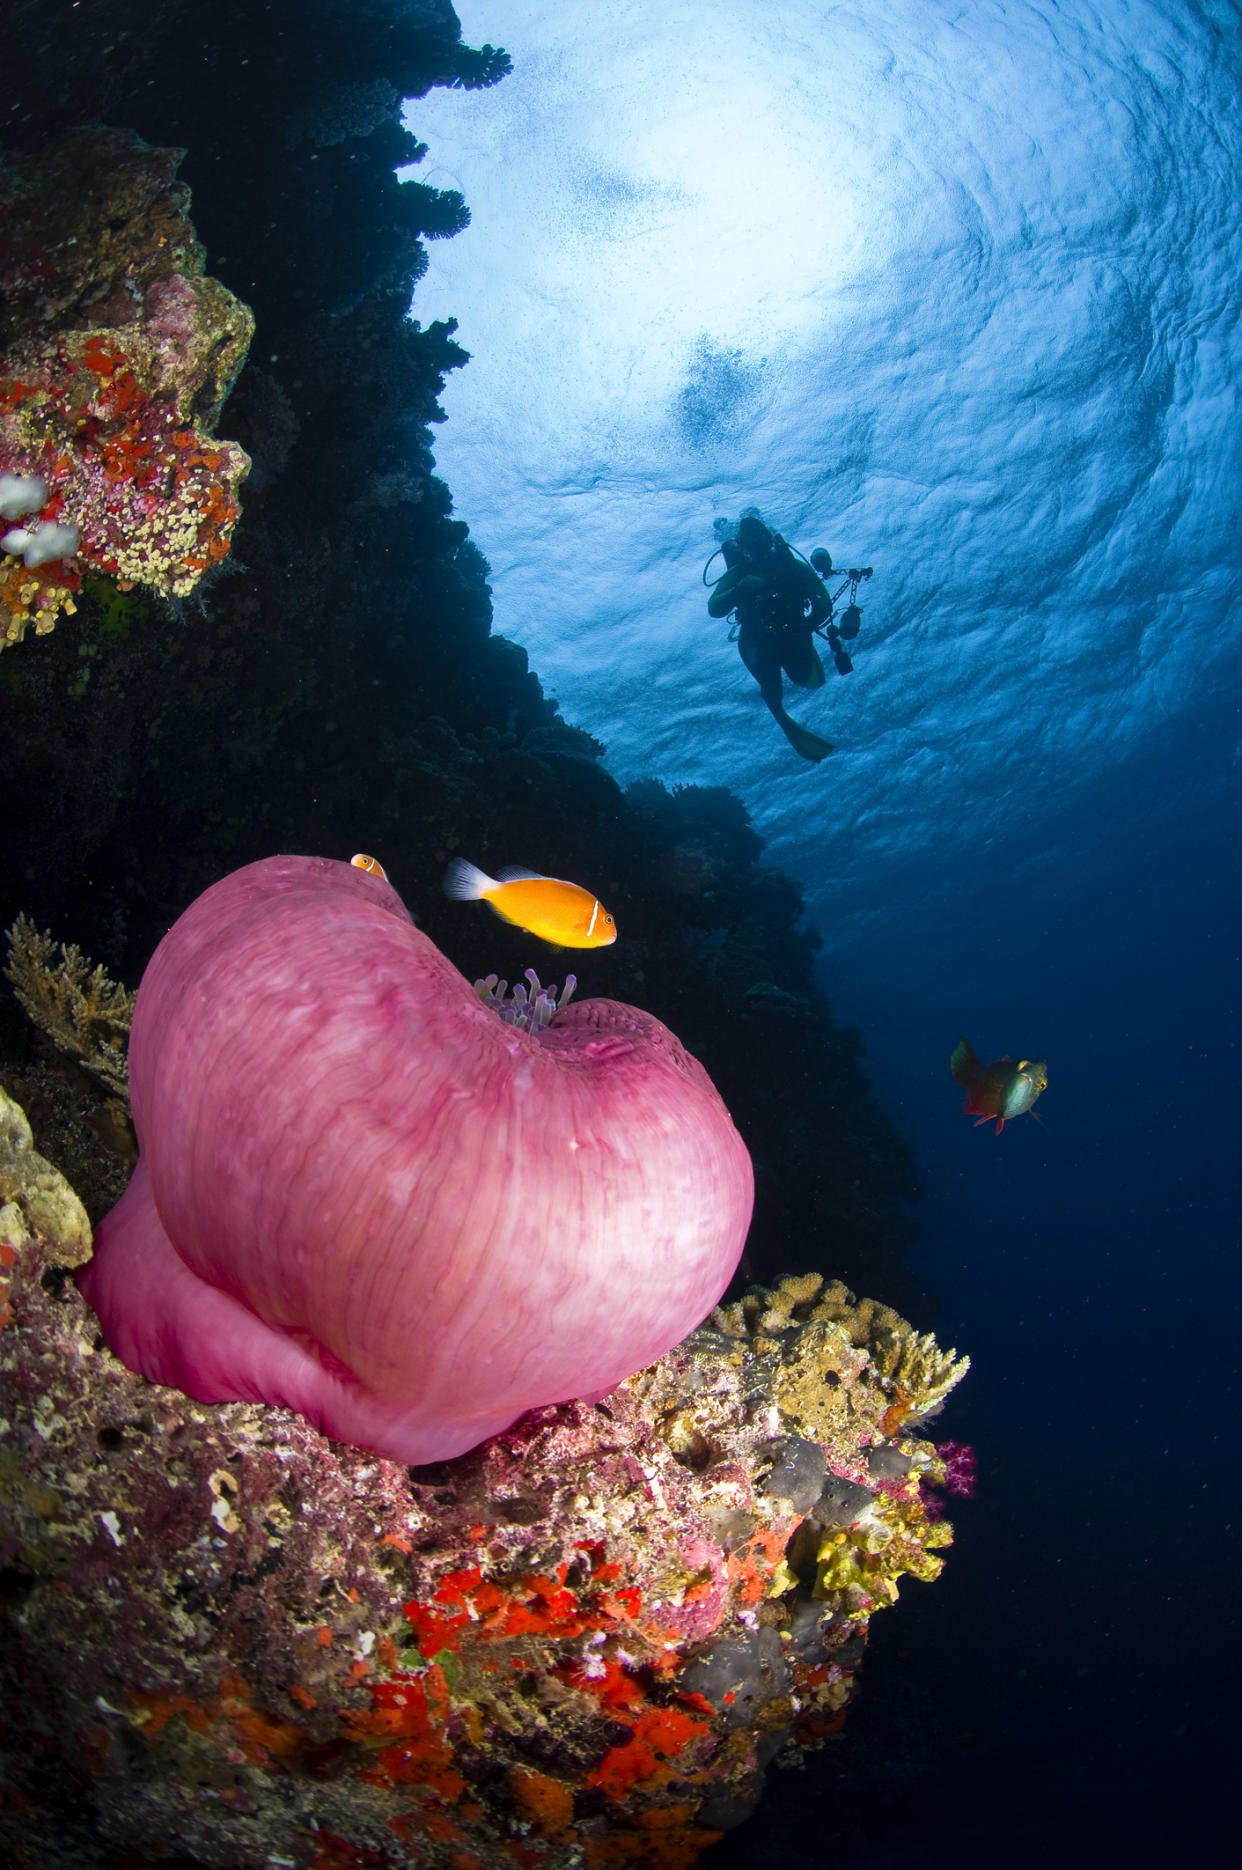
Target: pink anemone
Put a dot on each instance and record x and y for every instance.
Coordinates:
(363, 1196)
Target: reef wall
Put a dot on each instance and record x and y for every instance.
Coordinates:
(331, 682)
(228, 1643)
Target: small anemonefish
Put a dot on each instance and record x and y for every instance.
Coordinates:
(1001, 1090)
(555, 911)
(371, 865)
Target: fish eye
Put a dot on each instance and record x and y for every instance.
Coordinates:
(609, 921)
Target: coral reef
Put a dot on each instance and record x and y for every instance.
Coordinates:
(227, 1643)
(919, 1375)
(812, 1345)
(116, 355)
(85, 1013)
(206, 1656)
(578, 1647)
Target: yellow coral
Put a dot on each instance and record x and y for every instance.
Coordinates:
(917, 1373)
(35, 1198)
(861, 1566)
(80, 1008)
(923, 1370)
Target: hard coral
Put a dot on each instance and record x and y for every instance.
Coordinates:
(35, 1199)
(80, 1008)
(117, 356)
(577, 1646)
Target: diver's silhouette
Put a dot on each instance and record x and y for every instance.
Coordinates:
(781, 604)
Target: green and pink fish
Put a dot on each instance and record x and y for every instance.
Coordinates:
(1002, 1090)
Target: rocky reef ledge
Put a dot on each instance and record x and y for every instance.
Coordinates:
(229, 1642)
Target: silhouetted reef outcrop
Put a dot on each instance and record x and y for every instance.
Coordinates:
(335, 685)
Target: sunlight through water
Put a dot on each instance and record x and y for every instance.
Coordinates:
(945, 291)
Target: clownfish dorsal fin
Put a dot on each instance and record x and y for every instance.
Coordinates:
(518, 873)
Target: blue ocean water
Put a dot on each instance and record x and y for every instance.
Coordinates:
(954, 292)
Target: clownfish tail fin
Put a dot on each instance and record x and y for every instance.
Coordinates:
(465, 882)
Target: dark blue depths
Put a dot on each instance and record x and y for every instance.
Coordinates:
(1024, 413)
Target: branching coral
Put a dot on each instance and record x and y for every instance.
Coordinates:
(919, 1367)
(918, 1374)
(79, 1007)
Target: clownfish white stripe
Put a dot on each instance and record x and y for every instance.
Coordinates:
(594, 914)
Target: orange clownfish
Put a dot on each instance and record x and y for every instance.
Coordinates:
(556, 912)
(1002, 1089)
(371, 865)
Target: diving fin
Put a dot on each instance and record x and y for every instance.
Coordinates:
(809, 745)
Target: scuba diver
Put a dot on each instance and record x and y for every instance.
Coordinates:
(782, 604)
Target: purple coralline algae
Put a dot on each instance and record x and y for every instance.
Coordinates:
(229, 1641)
(116, 355)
